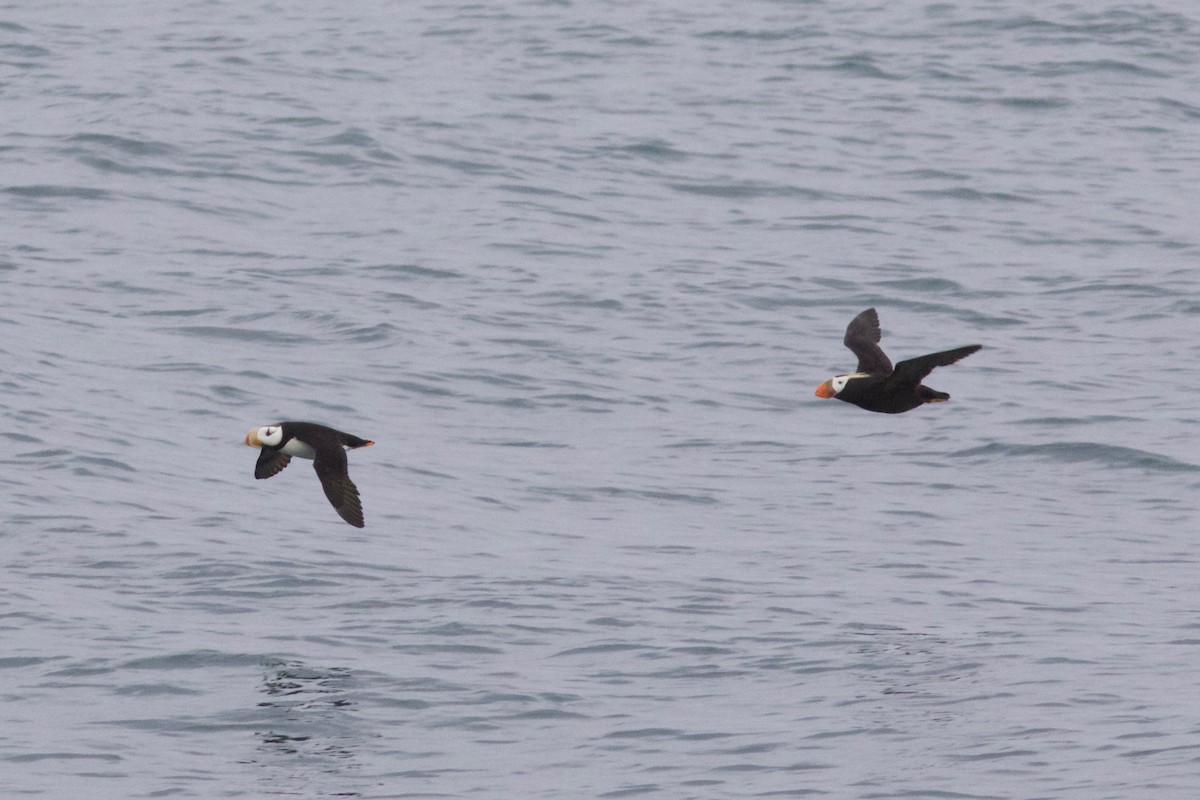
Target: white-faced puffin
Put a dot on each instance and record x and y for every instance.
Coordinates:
(327, 449)
(878, 387)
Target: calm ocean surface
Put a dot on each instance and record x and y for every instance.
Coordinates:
(577, 269)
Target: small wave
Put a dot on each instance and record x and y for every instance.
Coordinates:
(139, 147)
(746, 190)
(1078, 452)
(237, 334)
(43, 191)
(650, 149)
(973, 195)
(414, 271)
(101, 461)
(1054, 69)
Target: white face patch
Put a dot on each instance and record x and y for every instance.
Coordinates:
(839, 382)
(270, 435)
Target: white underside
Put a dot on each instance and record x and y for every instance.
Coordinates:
(297, 448)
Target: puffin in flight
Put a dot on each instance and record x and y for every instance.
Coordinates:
(878, 387)
(327, 449)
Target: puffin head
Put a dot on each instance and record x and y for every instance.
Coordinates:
(833, 386)
(269, 435)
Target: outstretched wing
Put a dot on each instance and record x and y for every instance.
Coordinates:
(862, 337)
(333, 470)
(270, 462)
(914, 370)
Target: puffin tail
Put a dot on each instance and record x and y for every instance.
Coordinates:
(928, 395)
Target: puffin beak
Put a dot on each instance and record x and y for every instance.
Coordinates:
(252, 438)
(825, 390)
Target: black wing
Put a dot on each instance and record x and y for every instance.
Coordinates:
(333, 470)
(270, 462)
(914, 370)
(862, 337)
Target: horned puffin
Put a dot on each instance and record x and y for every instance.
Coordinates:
(327, 449)
(878, 387)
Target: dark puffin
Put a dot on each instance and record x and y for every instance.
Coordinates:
(327, 449)
(878, 387)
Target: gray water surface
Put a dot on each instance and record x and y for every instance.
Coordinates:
(577, 269)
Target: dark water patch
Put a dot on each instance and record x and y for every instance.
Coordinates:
(20, 662)
(193, 659)
(246, 335)
(564, 299)
(333, 159)
(427, 389)
(632, 791)
(107, 463)
(1187, 110)
(413, 271)
(27, 758)
(20, 437)
(798, 223)
(929, 174)
(299, 122)
(580, 400)
(600, 649)
(924, 285)
(178, 312)
(370, 334)
(539, 191)
(233, 393)
(136, 147)
(155, 690)
(351, 137)
(750, 190)
(1102, 65)
(703, 650)
(656, 150)
(971, 195)
(1182, 748)
(546, 714)
(593, 493)
(48, 192)
(44, 454)
(462, 165)
(860, 66)
(453, 649)
(523, 444)
(1034, 103)
(1057, 422)
(782, 34)
(412, 301)
(30, 51)
(689, 672)
(611, 622)
(644, 733)
(201, 369)
(1124, 289)
(907, 512)
(538, 344)
(1079, 452)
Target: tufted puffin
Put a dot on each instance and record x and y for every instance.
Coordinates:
(878, 387)
(325, 446)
